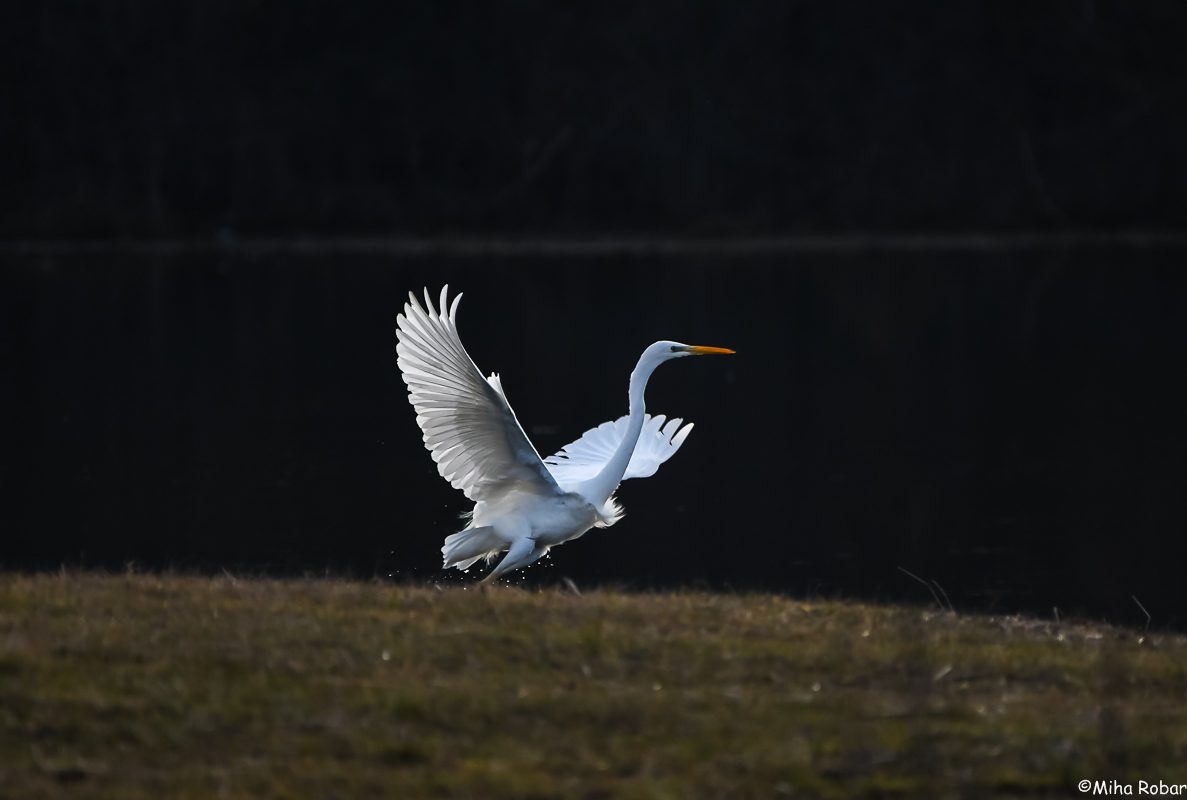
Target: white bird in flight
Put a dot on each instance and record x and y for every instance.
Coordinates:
(523, 504)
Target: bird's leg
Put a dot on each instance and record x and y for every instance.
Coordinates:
(523, 552)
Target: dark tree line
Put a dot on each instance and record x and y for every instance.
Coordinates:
(141, 118)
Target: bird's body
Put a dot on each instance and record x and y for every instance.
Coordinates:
(522, 504)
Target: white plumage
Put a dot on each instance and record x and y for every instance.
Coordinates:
(523, 504)
(468, 426)
(584, 458)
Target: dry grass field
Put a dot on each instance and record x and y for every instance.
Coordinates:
(151, 686)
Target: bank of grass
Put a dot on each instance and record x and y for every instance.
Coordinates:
(156, 687)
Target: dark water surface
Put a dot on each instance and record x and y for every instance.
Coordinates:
(1009, 424)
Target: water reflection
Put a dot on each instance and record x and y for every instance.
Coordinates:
(1007, 424)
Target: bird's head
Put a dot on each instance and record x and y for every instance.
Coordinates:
(663, 351)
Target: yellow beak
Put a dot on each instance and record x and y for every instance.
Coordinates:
(704, 351)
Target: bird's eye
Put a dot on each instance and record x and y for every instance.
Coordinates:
(674, 349)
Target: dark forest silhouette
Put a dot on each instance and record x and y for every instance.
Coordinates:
(154, 119)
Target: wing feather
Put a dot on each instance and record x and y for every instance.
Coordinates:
(468, 425)
(585, 458)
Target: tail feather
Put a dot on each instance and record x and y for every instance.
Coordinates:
(463, 549)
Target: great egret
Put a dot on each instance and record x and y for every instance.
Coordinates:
(522, 504)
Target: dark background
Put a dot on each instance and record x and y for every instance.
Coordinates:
(1003, 416)
(141, 118)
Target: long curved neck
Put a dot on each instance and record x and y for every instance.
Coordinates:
(598, 489)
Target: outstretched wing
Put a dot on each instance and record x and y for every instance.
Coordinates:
(584, 458)
(468, 425)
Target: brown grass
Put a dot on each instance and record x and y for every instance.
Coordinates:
(187, 687)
